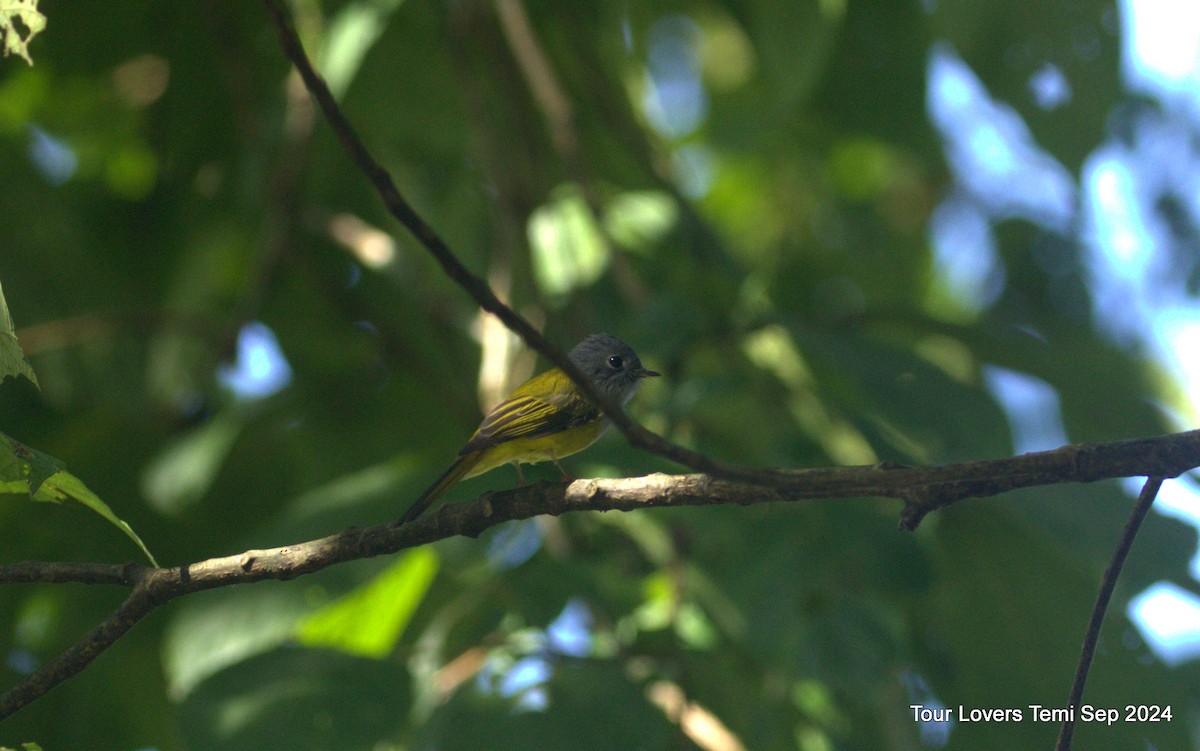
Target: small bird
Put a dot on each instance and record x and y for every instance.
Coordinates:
(547, 417)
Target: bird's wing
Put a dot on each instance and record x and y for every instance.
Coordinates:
(527, 416)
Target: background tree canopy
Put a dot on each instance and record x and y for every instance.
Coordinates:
(846, 232)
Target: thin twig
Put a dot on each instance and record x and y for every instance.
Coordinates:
(1107, 585)
(88, 328)
(473, 285)
(558, 112)
(540, 75)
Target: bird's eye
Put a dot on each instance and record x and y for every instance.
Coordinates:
(615, 362)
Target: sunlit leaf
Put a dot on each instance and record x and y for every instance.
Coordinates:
(368, 621)
(12, 360)
(15, 14)
(351, 34)
(638, 220)
(567, 244)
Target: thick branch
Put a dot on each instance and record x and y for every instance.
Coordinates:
(922, 488)
(81, 573)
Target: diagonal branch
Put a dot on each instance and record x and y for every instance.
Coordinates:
(472, 284)
(155, 587)
(79, 655)
(542, 80)
(921, 488)
(1107, 585)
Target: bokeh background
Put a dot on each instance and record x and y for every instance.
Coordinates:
(846, 232)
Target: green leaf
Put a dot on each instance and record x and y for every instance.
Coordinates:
(368, 621)
(23, 470)
(352, 32)
(34, 22)
(26, 471)
(12, 360)
(63, 486)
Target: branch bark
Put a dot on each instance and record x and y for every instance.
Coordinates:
(922, 489)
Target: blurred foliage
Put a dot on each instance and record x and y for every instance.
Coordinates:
(740, 189)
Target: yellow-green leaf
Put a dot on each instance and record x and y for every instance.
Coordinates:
(12, 360)
(16, 38)
(369, 620)
(566, 243)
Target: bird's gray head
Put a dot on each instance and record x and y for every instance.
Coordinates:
(611, 364)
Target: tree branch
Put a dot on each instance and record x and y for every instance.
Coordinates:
(79, 655)
(1107, 585)
(154, 587)
(921, 488)
(28, 572)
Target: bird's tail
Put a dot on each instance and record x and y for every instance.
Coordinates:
(457, 470)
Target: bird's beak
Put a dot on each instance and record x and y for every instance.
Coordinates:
(644, 373)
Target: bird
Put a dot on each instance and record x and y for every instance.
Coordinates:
(547, 417)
